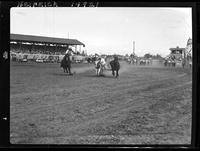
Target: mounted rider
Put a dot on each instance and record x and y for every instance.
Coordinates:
(66, 62)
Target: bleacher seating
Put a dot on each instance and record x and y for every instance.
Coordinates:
(37, 49)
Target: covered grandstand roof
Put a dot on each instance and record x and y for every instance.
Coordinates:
(31, 38)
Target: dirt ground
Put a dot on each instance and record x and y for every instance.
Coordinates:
(144, 105)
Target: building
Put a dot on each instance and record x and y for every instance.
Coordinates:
(182, 55)
(177, 53)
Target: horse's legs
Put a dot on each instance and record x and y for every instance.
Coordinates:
(97, 72)
(69, 70)
(66, 69)
(101, 71)
(113, 72)
(117, 74)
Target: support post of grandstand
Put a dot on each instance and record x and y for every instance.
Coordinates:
(20, 46)
(32, 46)
(79, 48)
(56, 47)
(45, 47)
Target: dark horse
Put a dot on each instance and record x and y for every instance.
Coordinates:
(115, 66)
(66, 64)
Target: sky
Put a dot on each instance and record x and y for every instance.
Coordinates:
(109, 30)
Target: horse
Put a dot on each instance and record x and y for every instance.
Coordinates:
(115, 66)
(66, 64)
(142, 62)
(89, 60)
(93, 59)
(100, 66)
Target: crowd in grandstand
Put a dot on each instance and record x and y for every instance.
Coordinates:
(37, 49)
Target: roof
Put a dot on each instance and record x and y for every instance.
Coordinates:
(172, 49)
(31, 38)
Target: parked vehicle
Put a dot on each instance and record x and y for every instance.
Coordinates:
(39, 60)
(51, 59)
(25, 58)
(78, 58)
(13, 56)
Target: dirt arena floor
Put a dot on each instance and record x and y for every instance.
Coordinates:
(144, 105)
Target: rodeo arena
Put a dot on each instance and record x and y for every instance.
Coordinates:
(62, 95)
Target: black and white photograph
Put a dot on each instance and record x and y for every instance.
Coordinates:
(101, 75)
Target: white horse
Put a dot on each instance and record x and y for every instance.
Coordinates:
(100, 66)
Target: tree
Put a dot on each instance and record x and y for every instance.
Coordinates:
(148, 55)
(158, 56)
(126, 55)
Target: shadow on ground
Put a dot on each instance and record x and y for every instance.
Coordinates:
(61, 74)
(102, 76)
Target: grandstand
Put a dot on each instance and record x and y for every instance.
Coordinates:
(43, 45)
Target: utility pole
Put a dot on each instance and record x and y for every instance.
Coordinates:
(133, 47)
